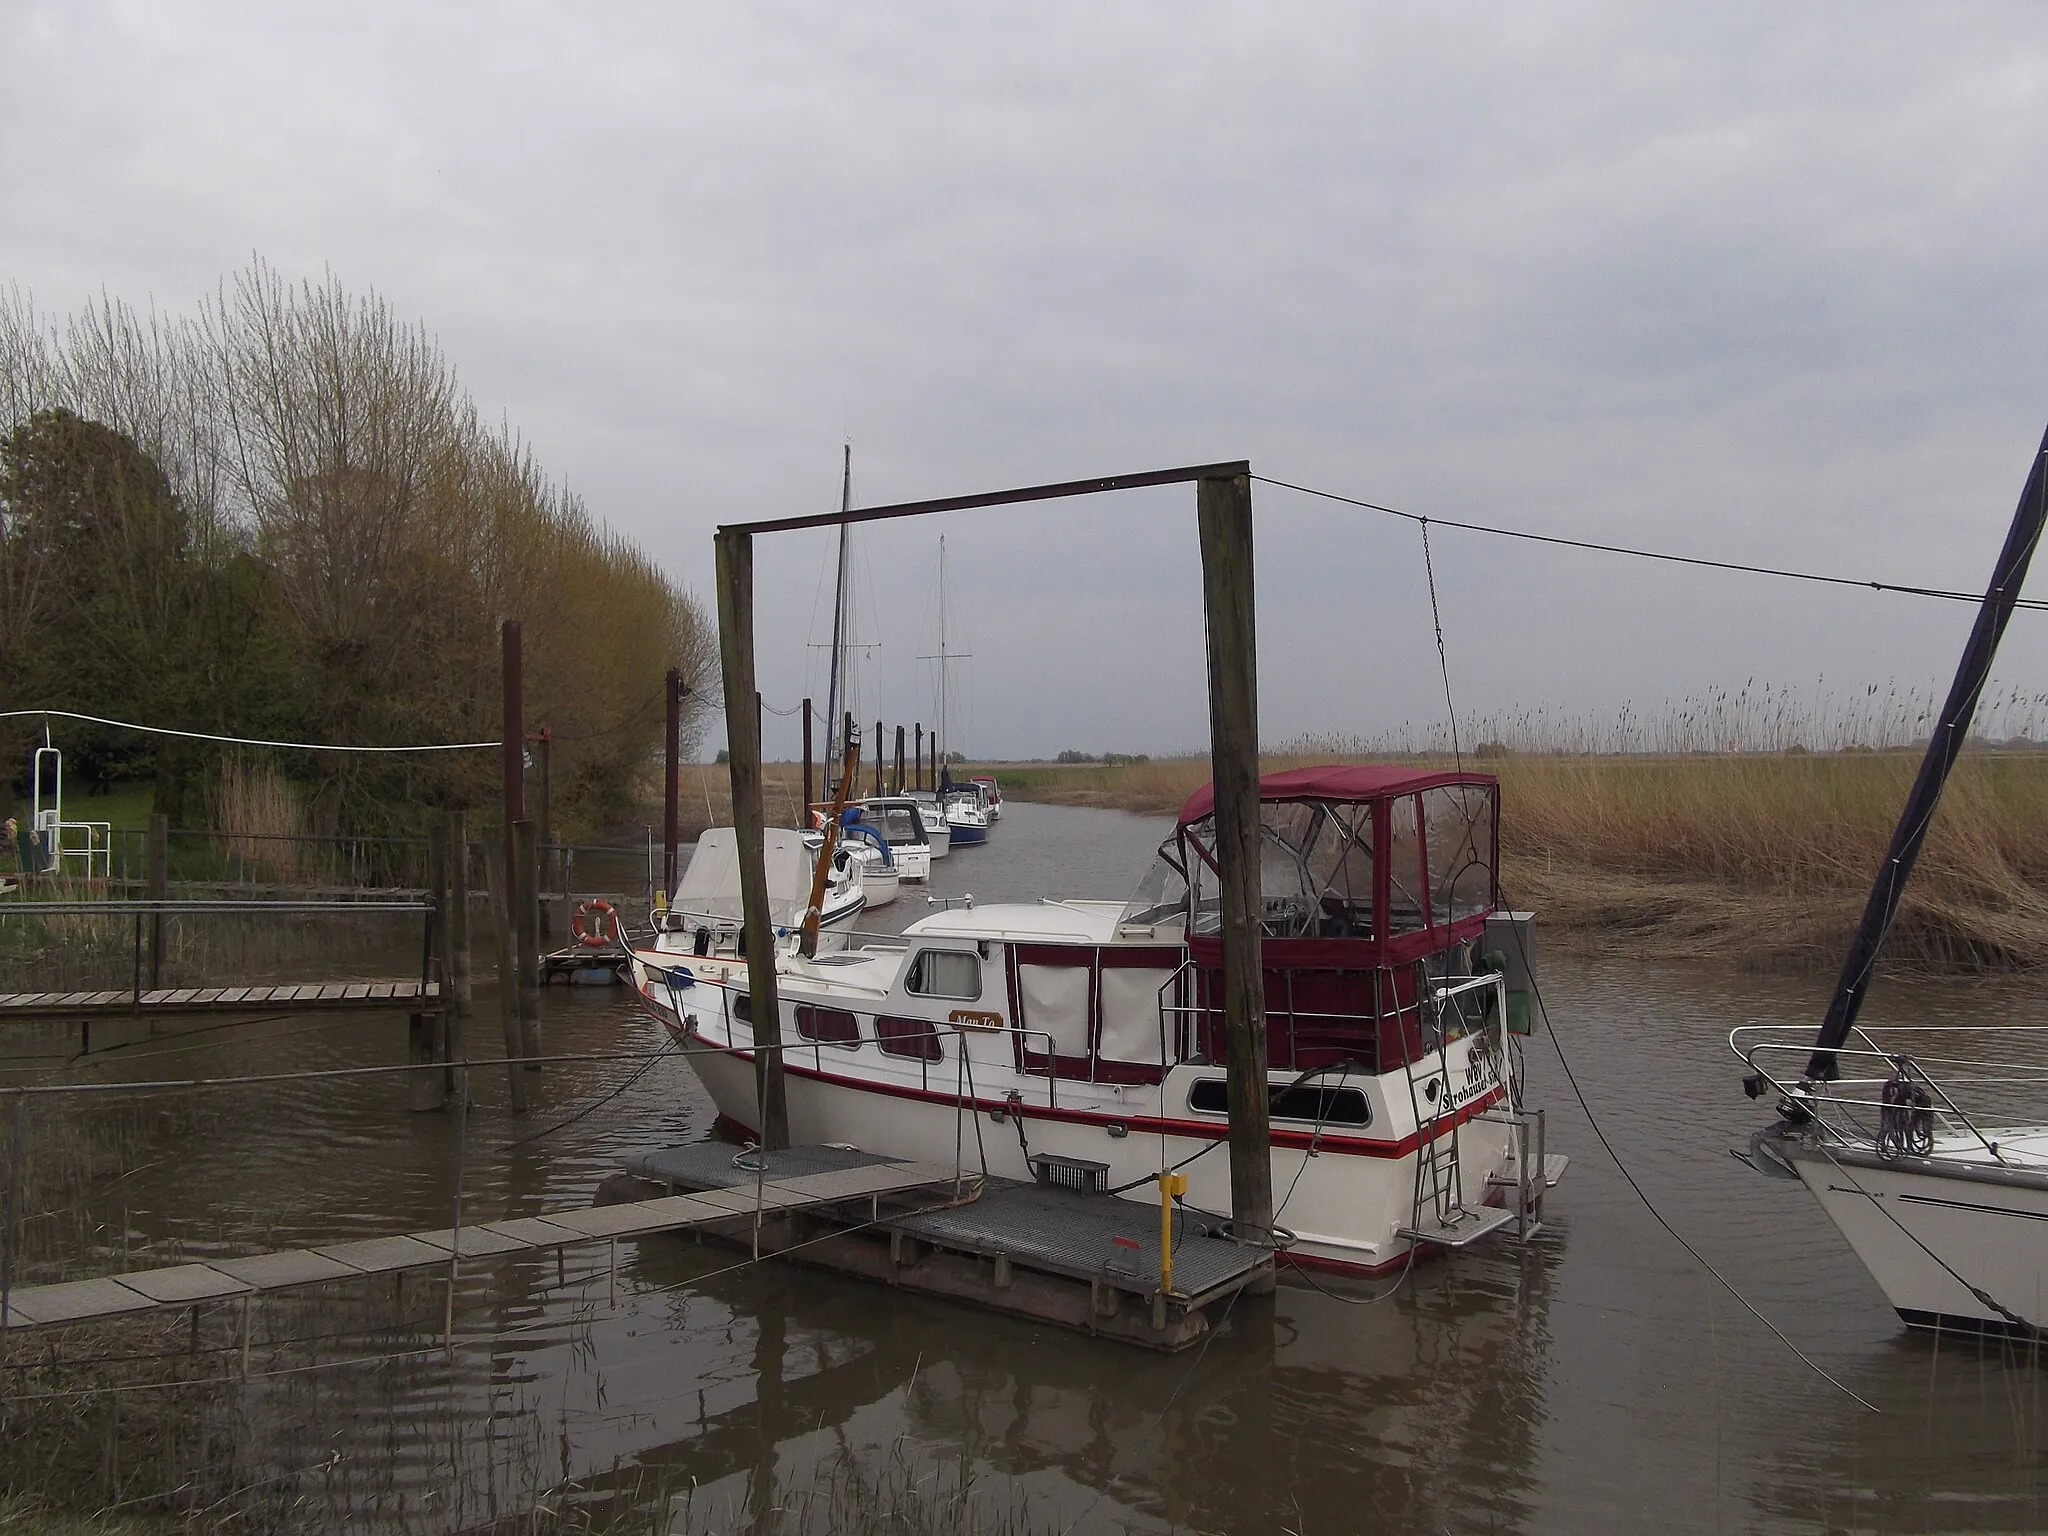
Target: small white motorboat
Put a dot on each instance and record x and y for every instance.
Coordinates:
(897, 818)
(880, 873)
(704, 917)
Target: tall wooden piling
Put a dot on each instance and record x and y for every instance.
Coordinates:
(512, 723)
(458, 987)
(878, 757)
(546, 878)
(526, 933)
(1224, 512)
(920, 756)
(500, 904)
(803, 819)
(157, 875)
(743, 747)
(427, 1029)
(672, 753)
(899, 759)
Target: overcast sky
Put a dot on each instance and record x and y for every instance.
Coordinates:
(1761, 282)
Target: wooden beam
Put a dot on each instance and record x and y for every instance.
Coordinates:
(1224, 513)
(743, 754)
(672, 757)
(1237, 468)
(512, 720)
(526, 934)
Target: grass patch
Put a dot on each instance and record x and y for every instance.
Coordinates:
(1762, 859)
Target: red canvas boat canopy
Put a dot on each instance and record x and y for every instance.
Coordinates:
(1350, 783)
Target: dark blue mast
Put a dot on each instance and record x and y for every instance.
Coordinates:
(1943, 747)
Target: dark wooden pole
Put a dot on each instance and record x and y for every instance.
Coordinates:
(919, 760)
(672, 755)
(899, 759)
(428, 1028)
(804, 820)
(513, 723)
(878, 757)
(157, 872)
(743, 754)
(495, 885)
(545, 880)
(1224, 512)
(459, 988)
(526, 934)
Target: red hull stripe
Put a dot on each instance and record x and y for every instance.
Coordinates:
(1140, 1125)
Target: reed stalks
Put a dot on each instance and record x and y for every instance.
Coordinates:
(1764, 860)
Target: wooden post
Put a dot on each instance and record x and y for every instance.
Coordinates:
(878, 758)
(458, 990)
(803, 819)
(157, 874)
(743, 749)
(512, 766)
(920, 755)
(1224, 512)
(899, 759)
(526, 934)
(547, 881)
(427, 1028)
(508, 975)
(672, 754)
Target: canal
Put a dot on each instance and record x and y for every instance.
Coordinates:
(1597, 1379)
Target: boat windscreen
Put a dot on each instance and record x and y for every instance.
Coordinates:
(1161, 899)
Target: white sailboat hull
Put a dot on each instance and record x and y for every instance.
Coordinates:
(1952, 1245)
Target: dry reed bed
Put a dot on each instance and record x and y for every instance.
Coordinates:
(1762, 860)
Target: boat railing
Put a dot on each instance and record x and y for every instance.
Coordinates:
(1872, 1075)
(1438, 1017)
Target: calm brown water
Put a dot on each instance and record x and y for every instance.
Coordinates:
(1597, 1380)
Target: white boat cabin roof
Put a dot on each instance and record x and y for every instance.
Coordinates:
(1043, 922)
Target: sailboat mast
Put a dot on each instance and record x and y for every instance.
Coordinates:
(838, 616)
(1943, 747)
(941, 754)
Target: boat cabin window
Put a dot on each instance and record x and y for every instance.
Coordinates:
(945, 973)
(830, 1026)
(1407, 895)
(898, 825)
(915, 1038)
(1458, 821)
(1311, 1102)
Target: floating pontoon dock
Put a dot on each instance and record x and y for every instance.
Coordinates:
(1086, 1261)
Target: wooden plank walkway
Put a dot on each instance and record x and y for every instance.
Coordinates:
(179, 1285)
(161, 1002)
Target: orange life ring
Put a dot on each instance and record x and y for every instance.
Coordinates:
(608, 919)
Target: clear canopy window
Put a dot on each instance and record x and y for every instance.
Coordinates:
(1322, 870)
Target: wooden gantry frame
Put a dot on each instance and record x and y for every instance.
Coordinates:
(1223, 505)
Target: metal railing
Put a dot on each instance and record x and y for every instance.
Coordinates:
(1779, 1055)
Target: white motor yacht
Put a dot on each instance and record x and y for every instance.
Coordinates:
(1091, 1033)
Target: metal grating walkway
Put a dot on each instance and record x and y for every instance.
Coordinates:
(180, 1285)
(1082, 1237)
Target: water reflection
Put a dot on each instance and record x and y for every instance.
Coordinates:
(1596, 1380)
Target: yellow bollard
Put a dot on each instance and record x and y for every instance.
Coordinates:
(1170, 1184)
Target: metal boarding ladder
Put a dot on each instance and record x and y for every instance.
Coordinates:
(1441, 1217)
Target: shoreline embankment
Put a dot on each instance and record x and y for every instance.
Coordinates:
(1758, 861)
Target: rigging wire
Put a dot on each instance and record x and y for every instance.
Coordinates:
(240, 741)
(1647, 554)
(1442, 660)
(1650, 1205)
(1572, 1077)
